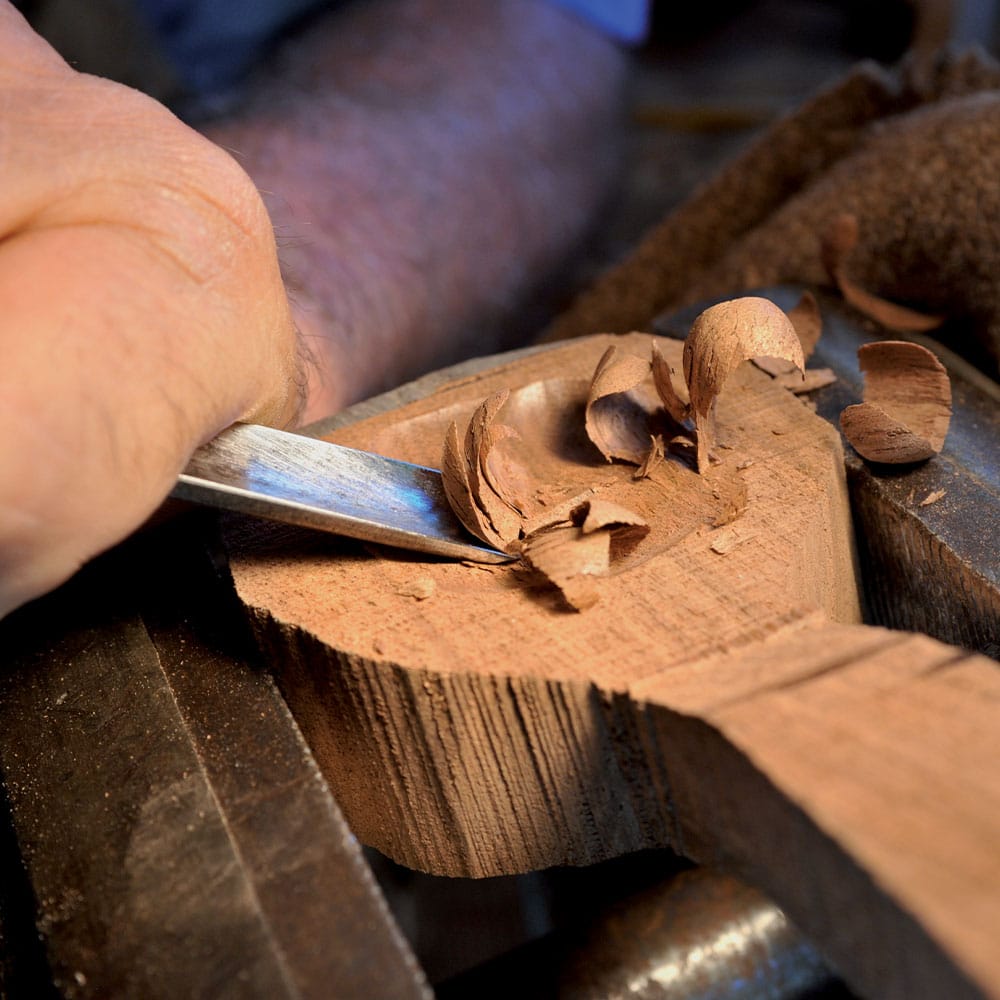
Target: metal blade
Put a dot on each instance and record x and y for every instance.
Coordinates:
(305, 481)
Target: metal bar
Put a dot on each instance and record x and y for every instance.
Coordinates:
(700, 935)
(175, 832)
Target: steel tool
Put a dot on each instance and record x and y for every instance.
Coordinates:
(315, 484)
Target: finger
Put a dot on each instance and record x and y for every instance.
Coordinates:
(118, 361)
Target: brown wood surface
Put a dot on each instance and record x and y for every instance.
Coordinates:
(728, 705)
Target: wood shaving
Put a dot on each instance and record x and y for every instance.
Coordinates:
(907, 404)
(808, 322)
(808, 325)
(677, 407)
(734, 499)
(481, 438)
(654, 457)
(617, 414)
(481, 485)
(422, 588)
(721, 339)
(814, 378)
(573, 556)
(932, 498)
(598, 513)
(571, 560)
(840, 242)
(727, 539)
(455, 478)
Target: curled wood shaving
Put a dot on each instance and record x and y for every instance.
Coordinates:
(474, 476)
(805, 317)
(598, 513)
(840, 241)
(458, 490)
(617, 415)
(573, 556)
(808, 323)
(678, 408)
(481, 437)
(907, 404)
(723, 337)
(571, 560)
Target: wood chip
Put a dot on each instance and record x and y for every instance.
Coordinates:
(838, 245)
(815, 378)
(907, 404)
(676, 406)
(727, 539)
(808, 322)
(733, 501)
(721, 339)
(606, 514)
(422, 588)
(571, 560)
(483, 485)
(654, 457)
(932, 498)
(573, 556)
(617, 415)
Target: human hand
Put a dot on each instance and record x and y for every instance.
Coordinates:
(143, 310)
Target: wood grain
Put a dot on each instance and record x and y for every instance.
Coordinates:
(728, 705)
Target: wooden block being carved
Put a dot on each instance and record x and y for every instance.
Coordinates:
(720, 696)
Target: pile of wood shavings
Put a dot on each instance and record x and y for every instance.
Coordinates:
(637, 412)
(578, 542)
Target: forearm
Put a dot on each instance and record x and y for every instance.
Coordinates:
(425, 163)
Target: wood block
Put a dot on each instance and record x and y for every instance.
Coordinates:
(720, 698)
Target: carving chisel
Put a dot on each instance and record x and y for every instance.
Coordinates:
(315, 484)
